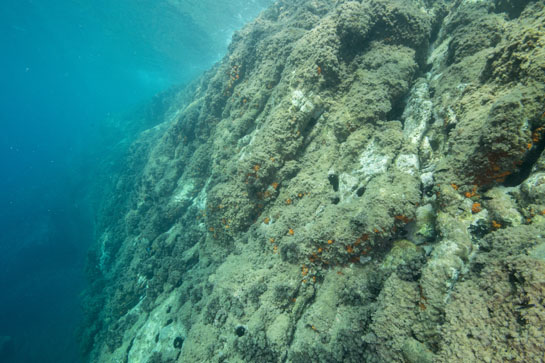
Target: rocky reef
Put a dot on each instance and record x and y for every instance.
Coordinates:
(356, 181)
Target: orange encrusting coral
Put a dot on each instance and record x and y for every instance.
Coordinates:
(472, 193)
(402, 218)
(498, 168)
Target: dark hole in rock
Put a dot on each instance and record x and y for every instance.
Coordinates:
(310, 125)
(479, 229)
(526, 168)
(325, 338)
(157, 338)
(240, 330)
(335, 200)
(513, 8)
(477, 267)
(360, 191)
(521, 319)
(169, 321)
(334, 181)
(448, 129)
(169, 309)
(178, 342)
(515, 279)
(396, 112)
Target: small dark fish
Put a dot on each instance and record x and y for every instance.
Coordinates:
(525, 306)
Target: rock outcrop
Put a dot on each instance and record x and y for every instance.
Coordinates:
(356, 181)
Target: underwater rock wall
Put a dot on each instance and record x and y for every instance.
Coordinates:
(354, 181)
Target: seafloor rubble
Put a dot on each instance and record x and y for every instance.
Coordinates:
(356, 181)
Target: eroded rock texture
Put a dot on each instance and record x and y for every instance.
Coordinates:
(356, 181)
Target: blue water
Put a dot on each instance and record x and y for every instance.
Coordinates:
(67, 68)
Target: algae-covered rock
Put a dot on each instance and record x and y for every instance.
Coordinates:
(538, 252)
(355, 181)
(424, 227)
(534, 188)
(400, 251)
(499, 309)
(503, 207)
(416, 352)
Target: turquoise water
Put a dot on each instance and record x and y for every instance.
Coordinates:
(71, 72)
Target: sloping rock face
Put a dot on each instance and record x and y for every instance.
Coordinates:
(356, 181)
